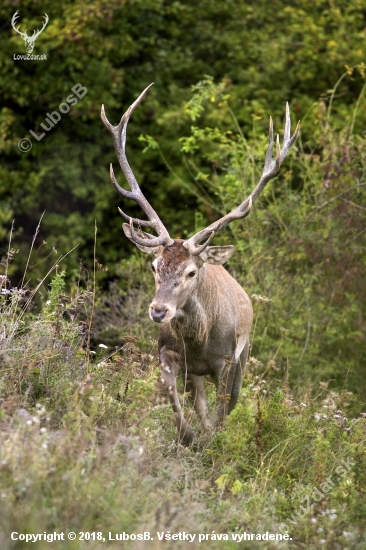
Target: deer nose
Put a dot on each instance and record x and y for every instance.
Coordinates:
(158, 313)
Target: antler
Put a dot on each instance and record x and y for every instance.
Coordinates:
(270, 170)
(119, 138)
(37, 33)
(24, 34)
(14, 21)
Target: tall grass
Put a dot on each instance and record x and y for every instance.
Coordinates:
(89, 446)
(88, 442)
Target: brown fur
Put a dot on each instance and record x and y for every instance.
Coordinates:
(205, 315)
(174, 255)
(205, 330)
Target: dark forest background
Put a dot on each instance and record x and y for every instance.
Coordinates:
(196, 145)
(88, 441)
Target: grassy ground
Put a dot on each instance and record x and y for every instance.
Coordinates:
(88, 445)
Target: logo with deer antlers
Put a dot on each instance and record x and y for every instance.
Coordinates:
(29, 40)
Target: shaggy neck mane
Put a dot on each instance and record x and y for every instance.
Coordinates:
(199, 312)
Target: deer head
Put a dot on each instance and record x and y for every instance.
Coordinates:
(29, 40)
(179, 265)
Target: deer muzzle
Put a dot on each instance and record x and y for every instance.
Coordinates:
(161, 312)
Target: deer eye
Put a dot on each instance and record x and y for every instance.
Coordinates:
(192, 273)
(153, 268)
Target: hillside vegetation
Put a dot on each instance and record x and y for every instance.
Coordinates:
(89, 446)
(88, 442)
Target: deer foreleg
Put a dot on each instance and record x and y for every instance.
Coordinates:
(168, 378)
(238, 378)
(236, 387)
(195, 385)
(224, 381)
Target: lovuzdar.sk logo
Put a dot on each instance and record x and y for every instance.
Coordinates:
(29, 41)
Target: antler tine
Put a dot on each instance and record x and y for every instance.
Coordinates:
(119, 138)
(270, 170)
(46, 18)
(14, 22)
(144, 241)
(143, 223)
(268, 157)
(287, 131)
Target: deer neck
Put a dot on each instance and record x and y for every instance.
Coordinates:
(194, 319)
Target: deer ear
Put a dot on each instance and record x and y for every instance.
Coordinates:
(147, 249)
(217, 255)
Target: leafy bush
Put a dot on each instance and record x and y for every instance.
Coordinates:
(264, 53)
(89, 443)
(303, 245)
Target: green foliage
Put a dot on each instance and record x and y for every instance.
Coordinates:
(82, 425)
(261, 55)
(81, 437)
(303, 453)
(303, 243)
(57, 287)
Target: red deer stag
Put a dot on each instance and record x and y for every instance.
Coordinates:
(204, 315)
